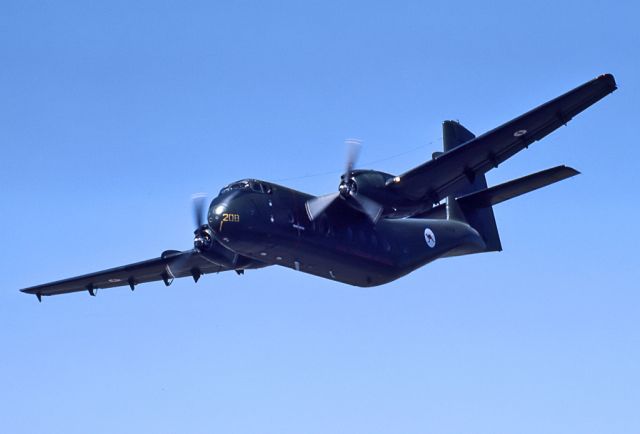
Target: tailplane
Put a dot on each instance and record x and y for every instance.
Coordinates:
(473, 202)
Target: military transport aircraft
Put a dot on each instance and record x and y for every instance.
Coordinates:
(376, 228)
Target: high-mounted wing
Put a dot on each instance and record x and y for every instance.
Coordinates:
(444, 175)
(169, 265)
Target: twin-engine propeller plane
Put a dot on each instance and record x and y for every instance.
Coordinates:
(376, 228)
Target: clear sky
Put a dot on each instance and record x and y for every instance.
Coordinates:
(113, 113)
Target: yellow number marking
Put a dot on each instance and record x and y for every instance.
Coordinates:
(229, 217)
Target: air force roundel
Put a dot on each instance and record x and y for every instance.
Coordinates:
(430, 238)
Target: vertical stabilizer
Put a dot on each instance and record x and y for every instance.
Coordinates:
(481, 219)
(454, 135)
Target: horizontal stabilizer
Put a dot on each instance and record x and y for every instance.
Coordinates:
(516, 187)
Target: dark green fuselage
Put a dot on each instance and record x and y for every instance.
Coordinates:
(270, 226)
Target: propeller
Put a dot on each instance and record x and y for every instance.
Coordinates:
(198, 201)
(203, 234)
(317, 205)
(353, 151)
(347, 190)
(370, 207)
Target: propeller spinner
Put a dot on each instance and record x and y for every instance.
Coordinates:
(347, 190)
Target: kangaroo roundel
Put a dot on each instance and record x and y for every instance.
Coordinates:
(429, 237)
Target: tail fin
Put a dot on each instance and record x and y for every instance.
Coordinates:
(454, 135)
(479, 218)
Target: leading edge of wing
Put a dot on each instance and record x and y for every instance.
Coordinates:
(169, 265)
(443, 175)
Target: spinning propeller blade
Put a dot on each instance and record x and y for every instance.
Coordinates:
(198, 204)
(317, 205)
(347, 190)
(198, 207)
(371, 208)
(353, 150)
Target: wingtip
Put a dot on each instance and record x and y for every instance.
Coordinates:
(571, 171)
(31, 292)
(609, 79)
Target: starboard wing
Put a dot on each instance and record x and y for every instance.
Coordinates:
(444, 175)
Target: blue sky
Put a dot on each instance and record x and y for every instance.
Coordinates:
(113, 113)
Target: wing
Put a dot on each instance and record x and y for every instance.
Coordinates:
(169, 265)
(445, 174)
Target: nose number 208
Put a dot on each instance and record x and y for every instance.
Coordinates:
(229, 217)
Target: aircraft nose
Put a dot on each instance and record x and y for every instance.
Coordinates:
(225, 213)
(217, 210)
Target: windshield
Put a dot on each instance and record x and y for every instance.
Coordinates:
(235, 186)
(245, 184)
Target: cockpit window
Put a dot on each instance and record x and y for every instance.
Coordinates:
(240, 185)
(258, 187)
